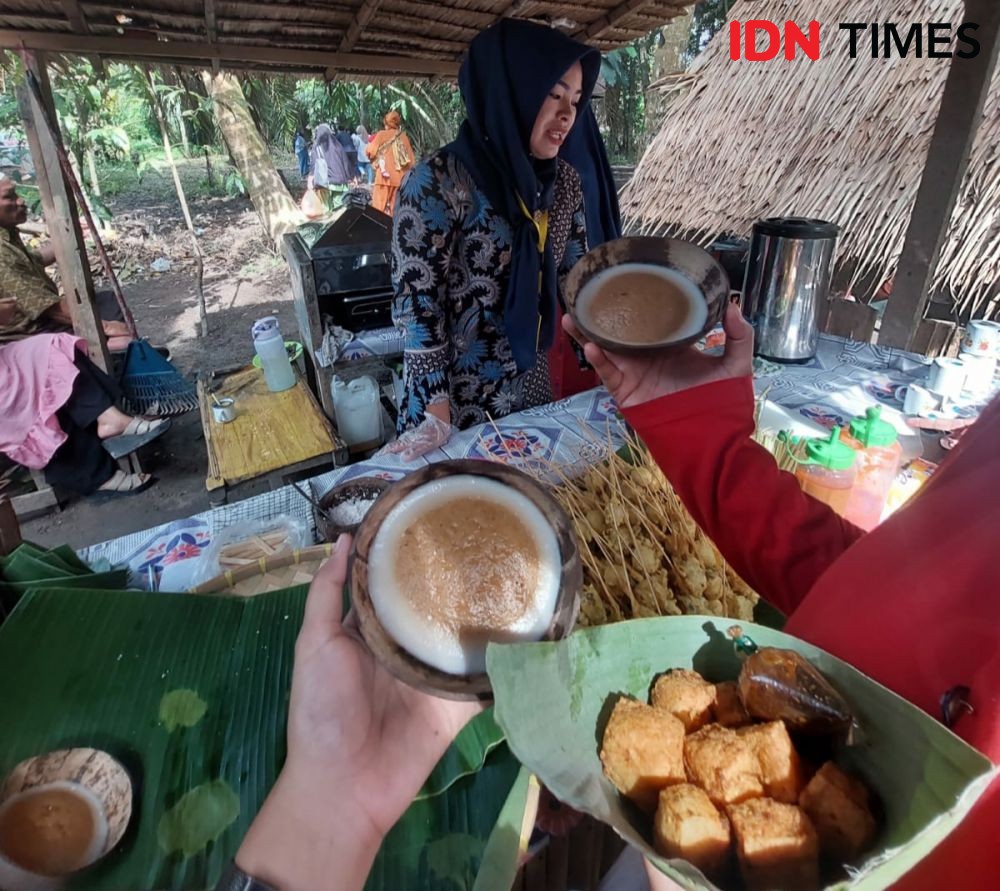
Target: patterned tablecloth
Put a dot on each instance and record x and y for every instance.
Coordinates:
(842, 381)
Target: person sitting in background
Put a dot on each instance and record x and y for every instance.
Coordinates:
(301, 146)
(330, 172)
(361, 140)
(29, 299)
(57, 407)
(391, 155)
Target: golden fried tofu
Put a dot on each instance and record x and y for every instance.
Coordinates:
(780, 768)
(728, 708)
(776, 845)
(837, 804)
(723, 764)
(687, 825)
(642, 751)
(686, 695)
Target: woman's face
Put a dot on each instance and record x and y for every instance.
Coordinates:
(557, 114)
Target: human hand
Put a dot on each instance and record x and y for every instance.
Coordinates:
(360, 745)
(429, 434)
(634, 380)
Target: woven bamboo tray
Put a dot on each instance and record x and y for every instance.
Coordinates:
(283, 570)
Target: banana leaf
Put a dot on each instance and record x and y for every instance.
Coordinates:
(552, 700)
(93, 668)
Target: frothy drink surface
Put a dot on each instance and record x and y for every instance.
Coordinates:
(459, 562)
(641, 303)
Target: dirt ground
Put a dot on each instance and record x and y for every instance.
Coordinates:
(244, 279)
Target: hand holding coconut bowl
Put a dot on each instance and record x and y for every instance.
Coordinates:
(852, 750)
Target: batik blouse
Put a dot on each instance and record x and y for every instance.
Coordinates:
(451, 256)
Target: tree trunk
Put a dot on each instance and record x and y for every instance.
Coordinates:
(182, 127)
(161, 119)
(270, 196)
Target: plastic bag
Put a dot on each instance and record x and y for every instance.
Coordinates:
(429, 434)
(777, 684)
(245, 543)
(311, 204)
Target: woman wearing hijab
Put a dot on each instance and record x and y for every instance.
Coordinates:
(391, 155)
(487, 227)
(330, 169)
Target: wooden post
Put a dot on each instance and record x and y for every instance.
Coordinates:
(947, 161)
(60, 212)
(10, 529)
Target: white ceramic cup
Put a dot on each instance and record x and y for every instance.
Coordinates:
(917, 400)
(224, 410)
(982, 337)
(946, 377)
(980, 371)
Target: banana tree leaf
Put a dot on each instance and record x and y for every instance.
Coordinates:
(466, 755)
(552, 700)
(509, 838)
(62, 558)
(94, 668)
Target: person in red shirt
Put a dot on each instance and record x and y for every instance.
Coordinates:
(913, 603)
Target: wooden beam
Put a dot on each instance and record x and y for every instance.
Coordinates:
(363, 17)
(958, 120)
(607, 22)
(210, 30)
(76, 18)
(61, 215)
(201, 54)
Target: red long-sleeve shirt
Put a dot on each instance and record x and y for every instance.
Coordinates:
(914, 604)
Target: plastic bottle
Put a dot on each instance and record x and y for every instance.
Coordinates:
(828, 470)
(877, 446)
(270, 346)
(358, 412)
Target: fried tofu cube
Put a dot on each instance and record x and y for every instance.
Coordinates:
(776, 845)
(728, 709)
(642, 751)
(837, 804)
(723, 764)
(687, 825)
(780, 768)
(686, 695)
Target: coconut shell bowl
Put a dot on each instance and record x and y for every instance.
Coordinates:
(400, 662)
(692, 263)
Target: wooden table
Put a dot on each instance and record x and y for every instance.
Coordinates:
(277, 436)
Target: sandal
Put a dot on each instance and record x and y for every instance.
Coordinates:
(122, 483)
(140, 426)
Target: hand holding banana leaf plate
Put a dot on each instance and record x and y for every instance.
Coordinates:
(553, 700)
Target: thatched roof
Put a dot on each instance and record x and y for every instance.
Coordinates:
(331, 37)
(840, 139)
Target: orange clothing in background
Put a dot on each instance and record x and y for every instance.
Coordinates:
(387, 149)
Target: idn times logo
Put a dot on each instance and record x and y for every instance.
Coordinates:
(759, 40)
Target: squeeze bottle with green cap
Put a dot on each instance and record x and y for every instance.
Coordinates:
(828, 470)
(879, 453)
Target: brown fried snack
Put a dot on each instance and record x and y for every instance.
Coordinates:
(776, 845)
(780, 768)
(642, 751)
(723, 764)
(687, 825)
(686, 695)
(838, 806)
(728, 709)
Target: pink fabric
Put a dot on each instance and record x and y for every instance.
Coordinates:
(36, 379)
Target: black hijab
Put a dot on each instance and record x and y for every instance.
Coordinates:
(505, 78)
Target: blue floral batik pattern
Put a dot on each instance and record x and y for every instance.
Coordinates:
(450, 268)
